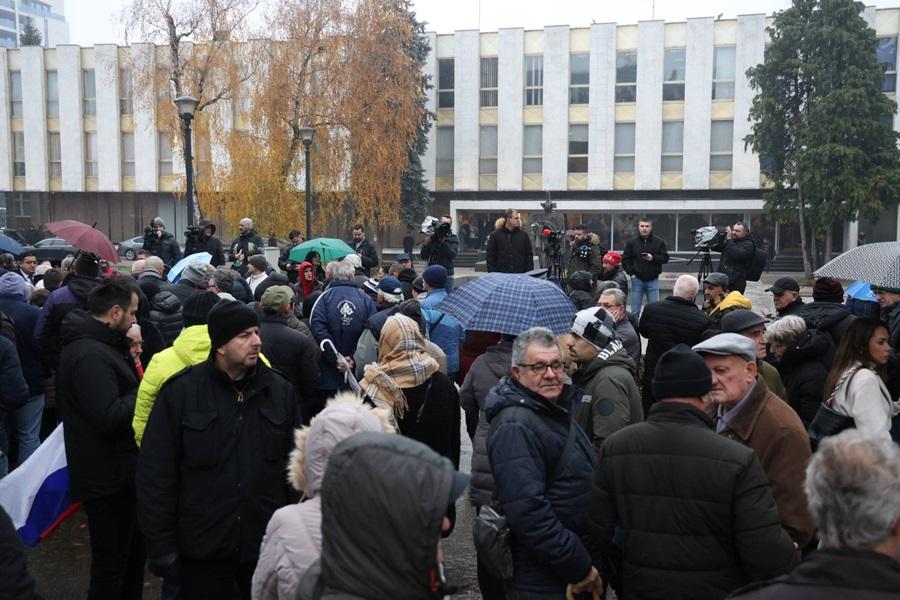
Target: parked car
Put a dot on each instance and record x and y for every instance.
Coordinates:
(52, 249)
(130, 247)
(14, 235)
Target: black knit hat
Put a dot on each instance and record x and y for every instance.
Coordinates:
(681, 373)
(196, 308)
(227, 319)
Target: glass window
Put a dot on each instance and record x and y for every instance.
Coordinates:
(90, 154)
(673, 74)
(127, 155)
(445, 82)
(18, 154)
(89, 92)
(886, 52)
(626, 76)
(720, 145)
(55, 154)
(578, 148)
(672, 146)
(126, 102)
(623, 161)
(165, 155)
(444, 151)
(534, 80)
(533, 149)
(489, 66)
(579, 78)
(15, 93)
(52, 94)
(723, 73)
(487, 150)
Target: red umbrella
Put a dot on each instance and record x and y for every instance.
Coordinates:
(86, 238)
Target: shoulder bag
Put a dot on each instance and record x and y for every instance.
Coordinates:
(828, 421)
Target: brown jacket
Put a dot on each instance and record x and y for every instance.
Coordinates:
(775, 432)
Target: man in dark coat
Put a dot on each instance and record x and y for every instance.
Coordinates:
(13, 394)
(643, 259)
(212, 462)
(738, 251)
(786, 296)
(207, 242)
(853, 486)
(161, 243)
(441, 249)
(164, 309)
(96, 387)
(827, 311)
(508, 247)
(364, 248)
(284, 261)
(675, 320)
(194, 279)
(714, 495)
(245, 245)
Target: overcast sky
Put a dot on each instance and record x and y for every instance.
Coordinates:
(93, 22)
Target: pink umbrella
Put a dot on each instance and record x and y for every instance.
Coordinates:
(86, 238)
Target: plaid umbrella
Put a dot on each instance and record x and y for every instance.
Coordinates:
(879, 264)
(510, 303)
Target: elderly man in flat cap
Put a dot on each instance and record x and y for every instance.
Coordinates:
(753, 326)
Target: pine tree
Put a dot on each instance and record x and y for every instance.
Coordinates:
(30, 36)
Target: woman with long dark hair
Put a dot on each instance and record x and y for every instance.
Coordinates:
(855, 386)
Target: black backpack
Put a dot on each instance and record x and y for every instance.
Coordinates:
(758, 264)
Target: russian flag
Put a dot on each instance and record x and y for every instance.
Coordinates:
(36, 494)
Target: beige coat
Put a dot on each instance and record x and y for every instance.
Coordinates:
(868, 401)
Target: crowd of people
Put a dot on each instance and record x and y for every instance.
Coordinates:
(294, 432)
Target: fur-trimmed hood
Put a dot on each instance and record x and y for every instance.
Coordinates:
(344, 416)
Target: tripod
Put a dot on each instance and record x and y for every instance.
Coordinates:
(555, 267)
(705, 264)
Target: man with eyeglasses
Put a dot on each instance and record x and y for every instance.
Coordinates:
(606, 373)
(613, 301)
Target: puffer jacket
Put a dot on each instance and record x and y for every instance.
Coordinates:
(732, 301)
(803, 371)
(293, 538)
(830, 317)
(48, 329)
(611, 399)
(484, 374)
(550, 543)
(593, 263)
(339, 314)
(165, 313)
(635, 265)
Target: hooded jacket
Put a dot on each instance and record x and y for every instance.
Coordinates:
(830, 317)
(165, 247)
(384, 498)
(303, 286)
(732, 301)
(48, 329)
(210, 244)
(611, 399)
(509, 251)
(14, 304)
(635, 265)
(442, 329)
(594, 261)
(803, 371)
(293, 539)
(165, 313)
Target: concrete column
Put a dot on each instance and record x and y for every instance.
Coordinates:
(34, 112)
(511, 59)
(648, 127)
(6, 158)
(602, 115)
(109, 146)
(71, 119)
(556, 107)
(751, 38)
(429, 157)
(467, 65)
(698, 103)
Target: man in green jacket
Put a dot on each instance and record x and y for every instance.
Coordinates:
(606, 374)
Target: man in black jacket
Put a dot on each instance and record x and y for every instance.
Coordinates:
(364, 248)
(440, 249)
(206, 242)
(245, 245)
(96, 386)
(786, 296)
(212, 462)
(643, 259)
(161, 243)
(508, 247)
(738, 252)
(284, 261)
(698, 526)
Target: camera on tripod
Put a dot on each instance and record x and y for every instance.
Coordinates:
(552, 239)
(708, 238)
(434, 228)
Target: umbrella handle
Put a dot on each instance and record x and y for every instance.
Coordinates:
(348, 375)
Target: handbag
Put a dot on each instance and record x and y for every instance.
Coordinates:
(491, 529)
(828, 421)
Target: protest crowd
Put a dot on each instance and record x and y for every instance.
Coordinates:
(293, 431)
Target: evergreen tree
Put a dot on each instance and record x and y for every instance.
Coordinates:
(821, 121)
(30, 36)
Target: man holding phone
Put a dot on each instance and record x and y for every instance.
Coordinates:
(643, 259)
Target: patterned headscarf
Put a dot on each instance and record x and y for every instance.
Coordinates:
(403, 363)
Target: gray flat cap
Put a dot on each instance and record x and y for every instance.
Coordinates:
(738, 320)
(716, 278)
(728, 344)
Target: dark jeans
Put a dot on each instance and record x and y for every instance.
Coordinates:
(216, 580)
(491, 587)
(117, 547)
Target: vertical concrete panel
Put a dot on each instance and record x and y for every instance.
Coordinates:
(6, 173)
(602, 107)
(511, 59)
(465, 115)
(697, 103)
(648, 127)
(71, 120)
(109, 148)
(556, 107)
(34, 118)
(429, 158)
(751, 37)
(146, 150)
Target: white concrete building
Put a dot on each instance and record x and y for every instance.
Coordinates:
(47, 16)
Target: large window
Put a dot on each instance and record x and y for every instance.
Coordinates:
(673, 74)
(18, 154)
(489, 76)
(578, 148)
(126, 102)
(165, 155)
(52, 94)
(623, 161)
(55, 154)
(534, 80)
(90, 154)
(487, 150)
(15, 93)
(886, 53)
(579, 78)
(89, 92)
(446, 80)
(127, 155)
(444, 151)
(626, 76)
(723, 73)
(720, 145)
(533, 149)
(672, 146)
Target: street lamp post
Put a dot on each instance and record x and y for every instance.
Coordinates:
(306, 134)
(186, 106)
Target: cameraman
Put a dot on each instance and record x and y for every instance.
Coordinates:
(203, 240)
(587, 253)
(161, 243)
(738, 250)
(441, 247)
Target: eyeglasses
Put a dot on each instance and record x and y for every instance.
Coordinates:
(541, 368)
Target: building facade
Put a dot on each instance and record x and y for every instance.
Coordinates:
(47, 16)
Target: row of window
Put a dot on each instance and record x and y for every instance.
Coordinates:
(720, 148)
(54, 154)
(88, 93)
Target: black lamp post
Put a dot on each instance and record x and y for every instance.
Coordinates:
(186, 106)
(306, 134)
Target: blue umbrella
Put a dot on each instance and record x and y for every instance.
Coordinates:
(510, 303)
(7, 244)
(861, 290)
(175, 272)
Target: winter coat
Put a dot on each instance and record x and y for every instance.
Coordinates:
(290, 268)
(291, 353)
(211, 468)
(803, 372)
(96, 385)
(474, 345)
(509, 251)
(630, 340)
(339, 314)
(367, 254)
(832, 574)
(550, 543)
(249, 243)
(792, 308)
(865, 398)
(772, 377)
(484, 374)
(777, 436)
(433, 416)
(441, 253)
(442, 329)
(15, 582)
(48, 329)
(732, 301)
(165, 313)
(210, 244)
(830, 317)
(892, 318)
(14, 391)
(165, 247)
(611, 399)
(736, 261)
(635, 265)
(25, 317)
(680, 512)
(618, 277)
(183, 290)
(382, 506)
(594, 261)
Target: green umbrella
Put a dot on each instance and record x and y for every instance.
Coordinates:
(328, 248)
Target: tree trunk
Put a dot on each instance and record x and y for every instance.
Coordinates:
(829, 245)
(804, 245)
